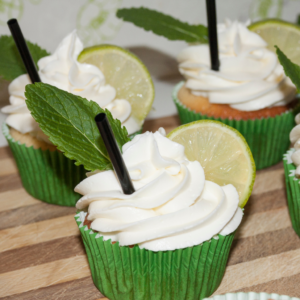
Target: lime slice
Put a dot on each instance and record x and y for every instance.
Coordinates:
(282, 34)
(126, 73)
(222, 152)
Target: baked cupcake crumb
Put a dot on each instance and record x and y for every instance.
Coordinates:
(201, 105)
(28, 140)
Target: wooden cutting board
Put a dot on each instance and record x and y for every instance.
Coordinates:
(42, 256)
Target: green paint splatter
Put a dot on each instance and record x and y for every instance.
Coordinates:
(262, 9)
(103, 25)
(10, 9)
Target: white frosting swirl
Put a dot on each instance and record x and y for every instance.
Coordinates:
(61, 69)
(173, 206)
(250, 76)
(295, 139)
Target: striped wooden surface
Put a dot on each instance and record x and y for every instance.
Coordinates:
(42, 256)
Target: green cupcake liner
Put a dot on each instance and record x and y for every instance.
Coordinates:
(267, 138)
(46, 175)
(124, 273)
(292, 184)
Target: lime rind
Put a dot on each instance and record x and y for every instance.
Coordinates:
(271, 23)
(233, 132)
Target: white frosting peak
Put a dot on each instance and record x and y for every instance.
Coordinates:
(173, 206)
(61, 69)
(250, 76)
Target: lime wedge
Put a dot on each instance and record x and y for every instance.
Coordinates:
(126, 73)
(282, 34)
(222, 152)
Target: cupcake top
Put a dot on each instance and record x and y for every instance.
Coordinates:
(61, 69)
(173, 207)
(250, 77)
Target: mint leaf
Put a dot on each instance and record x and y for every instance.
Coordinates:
(291, 70)
(164, 25)
(69, 122)
(11, 64)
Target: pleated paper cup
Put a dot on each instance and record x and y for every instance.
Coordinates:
(131, 273)
(252, 296)
(46, 175)
(292, 184)
(268, 138)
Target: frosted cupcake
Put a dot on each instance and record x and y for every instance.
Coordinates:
(291, 161)
(250, 92)
(176, 224)
(45, 172)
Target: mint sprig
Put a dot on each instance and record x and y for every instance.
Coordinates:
(164, 25)
(69, 122)
(291, 70)
(11, 64)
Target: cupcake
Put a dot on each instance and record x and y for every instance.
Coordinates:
(45, 172)
(250, 92)
(291, 161)
(170, 238)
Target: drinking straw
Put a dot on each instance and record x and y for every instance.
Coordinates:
(212, 34)
(114, 153)
(23, 50)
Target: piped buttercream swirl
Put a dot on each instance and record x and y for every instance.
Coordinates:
(173, 206)
(61, 69)
(250, 77)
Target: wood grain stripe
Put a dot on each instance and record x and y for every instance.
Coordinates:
(260, 271)
(33, 213)
(5, 152)
(263, 245)
(80, 289)
(7, 166)
(35, 233)
(266, 201)
(269, 181)
(264, 222)
(41, 253)
(10, 182)
(16, 198)
(56, 272)
(283, 286)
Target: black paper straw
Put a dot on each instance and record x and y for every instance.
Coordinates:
(212, 34)
(114, 153)
(23, 50)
